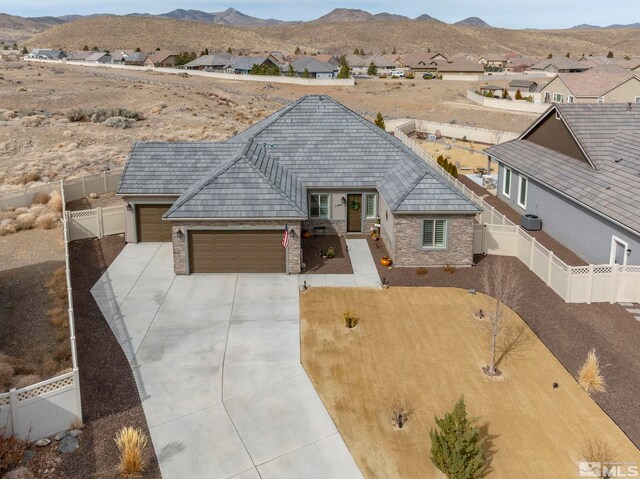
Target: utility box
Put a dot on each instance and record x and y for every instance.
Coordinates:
(531, 222)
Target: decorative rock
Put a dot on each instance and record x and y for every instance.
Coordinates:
(27, 456)
(68, 444)
(75, 432)
(45, 441)
(60, 435)
(93, 195)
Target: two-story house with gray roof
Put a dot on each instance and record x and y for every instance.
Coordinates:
(577, 167)
(313, 164)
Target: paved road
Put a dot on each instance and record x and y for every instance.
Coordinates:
(217, 363)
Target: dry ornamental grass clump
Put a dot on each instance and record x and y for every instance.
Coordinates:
(589, 376)
(25, 221)
(41, 199)
(131, 443)
(47, 221)
(6, 374)
(55, 203)
(7, 227)
(597, 450)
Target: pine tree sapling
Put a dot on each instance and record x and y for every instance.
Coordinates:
(372, 70)
(610, 54)
(379, 121)
(518, 94)
(306, 74)
(456, 446)
(344, 71)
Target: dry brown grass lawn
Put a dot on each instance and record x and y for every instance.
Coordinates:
(422, 345)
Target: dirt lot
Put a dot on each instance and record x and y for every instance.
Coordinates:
(468, 154)
(28, 260)
(37, 138)
(421, 345)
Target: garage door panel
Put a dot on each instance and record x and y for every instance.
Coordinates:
(150, 225)
(236, 252)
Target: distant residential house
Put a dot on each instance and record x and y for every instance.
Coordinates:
(520, 64)
(494, 90)
(422, 62)
(99, 57)
(459, 66)
(528, 86)
(162, 58)
(213, 63)
(243, 65)
(47, 54)
(360, 64)
(493, 61)
(10, 55)
(135, 59)
(315, 68)
(560, 65)
(576, 168)
(80, 56)
(603, 84)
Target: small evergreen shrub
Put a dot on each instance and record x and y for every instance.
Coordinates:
(456, 446)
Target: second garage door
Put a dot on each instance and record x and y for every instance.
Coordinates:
(151, 226)
(255, 251)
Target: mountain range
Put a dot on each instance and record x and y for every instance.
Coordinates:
(586, 26)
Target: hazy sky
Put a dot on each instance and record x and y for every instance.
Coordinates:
(501, 13)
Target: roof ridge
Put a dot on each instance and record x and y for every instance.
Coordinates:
(206, 181)
(401, 200)
(278, 166)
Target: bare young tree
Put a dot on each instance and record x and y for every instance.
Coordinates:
(501, 283)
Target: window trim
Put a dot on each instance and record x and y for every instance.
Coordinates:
(521, 180)
(445, 246)
(571, 99)
(375, 205)
(600, 99)
(558, 95)
(320, 217)
(637, 99)
(612, 254)
(507, 172)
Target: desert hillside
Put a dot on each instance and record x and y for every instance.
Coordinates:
(148, 33)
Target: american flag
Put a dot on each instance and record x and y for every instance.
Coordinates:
(285, 237)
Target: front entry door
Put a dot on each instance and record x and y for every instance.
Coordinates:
(354, 213)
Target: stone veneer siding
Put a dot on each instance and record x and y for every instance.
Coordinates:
(334, 227)
(179, 244)
(408, 251)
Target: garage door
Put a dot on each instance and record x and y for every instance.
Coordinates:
(150, 224)
(236, 252)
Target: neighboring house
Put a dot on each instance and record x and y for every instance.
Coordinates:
(212, 63)
(99, 57)
(47, 54)
(577, 169)
(162, 58)
(525, 86)
(606, 83)
(80, 56)
(360, 64)
(493, 61)
(459, 66)
(560, 65)
(422, 62)
(10, 55)
(520, 64)
(243, 65)
(315, 68)
(129, 57)
(315, 165)
(495, 90)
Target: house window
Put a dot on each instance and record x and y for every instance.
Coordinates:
(570, 99)
(371, 206)
(601, 99)
(523, 185)
(319, 206)
(558, 97)
(506, 185)
(434, 233)
(638, 99)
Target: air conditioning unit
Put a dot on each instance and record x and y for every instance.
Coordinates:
(531, 222)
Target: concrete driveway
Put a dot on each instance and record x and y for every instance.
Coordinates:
(217, 363)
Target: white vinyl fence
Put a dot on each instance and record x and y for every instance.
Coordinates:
(75, 189)
(50, 406)
(471, 133)
(96, 223)
(511, 105)
(495, 234)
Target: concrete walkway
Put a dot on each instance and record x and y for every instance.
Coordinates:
(365, 273)
(217, 363)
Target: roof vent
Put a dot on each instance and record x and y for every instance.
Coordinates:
(618, 160)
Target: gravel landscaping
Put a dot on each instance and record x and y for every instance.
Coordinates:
(316, 264)
(110, 397)
(568, 330)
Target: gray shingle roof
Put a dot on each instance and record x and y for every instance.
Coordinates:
(610, 136)
(314, 142)
(313, 66)
(215, 60)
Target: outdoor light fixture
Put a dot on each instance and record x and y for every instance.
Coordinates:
(292, 232)
(180, 234)
(344, 200)
(628, 251)
(128, 206)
